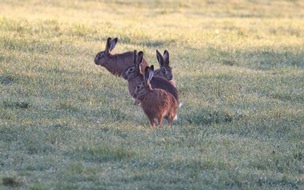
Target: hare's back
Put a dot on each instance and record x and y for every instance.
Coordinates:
(161, 83)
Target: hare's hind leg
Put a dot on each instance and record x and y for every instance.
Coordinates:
(171, 117)
(152, 122)
(160, 121)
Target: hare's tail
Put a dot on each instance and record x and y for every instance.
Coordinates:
(180, 105)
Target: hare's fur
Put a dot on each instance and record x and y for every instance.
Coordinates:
(116, 63)
(134, 78)
(164, 71)
(156, 103)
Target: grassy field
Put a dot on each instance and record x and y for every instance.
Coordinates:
(66, 123)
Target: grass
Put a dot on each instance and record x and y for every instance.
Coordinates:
(66, 123)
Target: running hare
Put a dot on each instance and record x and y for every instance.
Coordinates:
(116, 63)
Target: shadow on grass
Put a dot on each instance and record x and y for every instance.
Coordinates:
(142, 41)
(16, 105)
(101, 153)
(6, 80)
(208, 117)
(11, 182)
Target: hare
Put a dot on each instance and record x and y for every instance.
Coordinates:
(165, 71)
(156, 103)
(116, 63)
(134, 78)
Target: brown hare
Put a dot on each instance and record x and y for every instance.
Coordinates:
(165, 71)
(134, 78)
(156, 103)
(116, 63)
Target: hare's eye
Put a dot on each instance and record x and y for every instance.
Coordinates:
(131, 70)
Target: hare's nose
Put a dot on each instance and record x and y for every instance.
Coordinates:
(96, 59)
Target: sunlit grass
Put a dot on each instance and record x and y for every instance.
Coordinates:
(66, 123)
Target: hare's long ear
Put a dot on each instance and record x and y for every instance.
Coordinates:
(134, 57)
(160, 58)
(151, 73)
(108, 45)
(140, 57)
(113, 44)
(146, 74)
(139, 61)
(166, 57)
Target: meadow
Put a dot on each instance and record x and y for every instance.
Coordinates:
(66, 123)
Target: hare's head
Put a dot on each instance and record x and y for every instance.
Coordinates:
(134, 70)
(145, 87)
(140, 90)
(102, 58)
(165, 70)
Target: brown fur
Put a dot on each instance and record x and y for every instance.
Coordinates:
(165, 71)
(156, 103)
(116, 63)
(134, 78)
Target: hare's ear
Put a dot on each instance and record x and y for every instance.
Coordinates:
(151, 73)
(134, 57)
(160, 58)
(146, 74)
(108, 45)
(113, 44)
(140, 57)
(166, 57)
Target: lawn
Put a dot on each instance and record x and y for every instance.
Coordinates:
(66, 123)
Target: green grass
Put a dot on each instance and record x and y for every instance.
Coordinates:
(66, 123)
